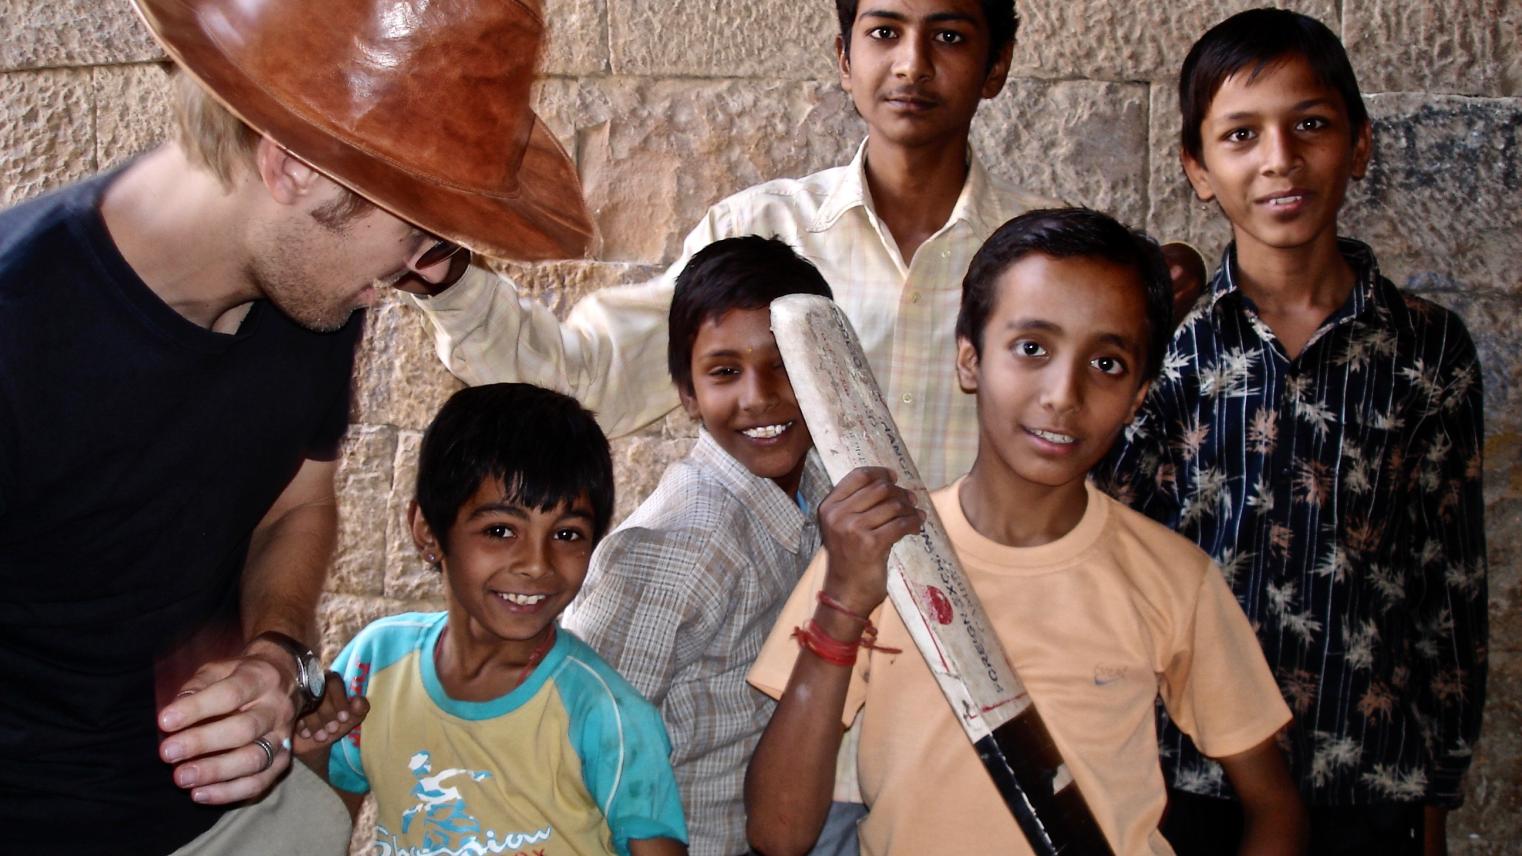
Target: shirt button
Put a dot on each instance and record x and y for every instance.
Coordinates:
(914, 297)
(908, 399)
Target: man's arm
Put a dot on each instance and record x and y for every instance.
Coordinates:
(288, 557)
(1273, 817)
(227, 704)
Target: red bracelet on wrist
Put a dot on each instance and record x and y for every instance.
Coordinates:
(824, 646)
(869, 630)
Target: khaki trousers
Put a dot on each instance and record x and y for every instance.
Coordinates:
(300, 816)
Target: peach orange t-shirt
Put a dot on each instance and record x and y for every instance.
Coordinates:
(1098, 624)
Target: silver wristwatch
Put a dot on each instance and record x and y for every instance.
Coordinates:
(311, 680)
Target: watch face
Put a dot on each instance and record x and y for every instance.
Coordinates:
(316, 680)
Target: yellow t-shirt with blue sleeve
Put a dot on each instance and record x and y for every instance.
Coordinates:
(573, 761)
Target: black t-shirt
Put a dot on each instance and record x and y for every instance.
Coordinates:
(137, 453)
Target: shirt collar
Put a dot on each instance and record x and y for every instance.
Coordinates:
(1359, 256)
(849, 192)
(777, 511)
(976, 201)
(978, 204)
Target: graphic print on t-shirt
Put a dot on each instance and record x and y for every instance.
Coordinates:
(447, 825)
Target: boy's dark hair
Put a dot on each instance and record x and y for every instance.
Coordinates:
(1003, 22)
(542, 446)
(1069, 233)
(748, 272)
(1258, 39)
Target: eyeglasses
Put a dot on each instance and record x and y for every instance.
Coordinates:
(439, 251)
(459, 259)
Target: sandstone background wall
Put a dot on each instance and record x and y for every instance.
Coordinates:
(668, 105)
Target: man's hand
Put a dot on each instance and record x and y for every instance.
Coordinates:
(213, 723)
(859, 522)
(435, 279)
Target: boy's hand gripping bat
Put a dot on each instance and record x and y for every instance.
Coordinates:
(851, 427)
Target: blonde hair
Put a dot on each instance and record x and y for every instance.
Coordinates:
(215, 139)
(211, 136)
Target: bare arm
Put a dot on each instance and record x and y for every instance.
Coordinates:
(227, 704)
(1273, 817)
(1434, 830)
(318, 731)
(792, 774)
(656, 847)
(288, 556)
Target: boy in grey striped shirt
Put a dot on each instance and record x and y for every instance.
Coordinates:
(680, 597)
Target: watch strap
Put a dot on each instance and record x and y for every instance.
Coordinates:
(308, 669)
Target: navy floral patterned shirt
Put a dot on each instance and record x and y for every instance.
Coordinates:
(1340, 494)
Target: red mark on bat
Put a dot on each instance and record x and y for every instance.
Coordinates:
(939, 605)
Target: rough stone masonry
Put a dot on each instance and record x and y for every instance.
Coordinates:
(669, 105)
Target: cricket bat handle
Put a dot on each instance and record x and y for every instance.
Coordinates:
(851, 426)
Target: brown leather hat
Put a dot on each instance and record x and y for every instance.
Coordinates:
(421, 106)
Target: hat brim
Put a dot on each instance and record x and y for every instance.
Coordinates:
(544, 219)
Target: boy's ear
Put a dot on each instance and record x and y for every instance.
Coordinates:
(967, 366)
(422, 534)
(1199, 177)
(286, 177)
(1363, 149)
(1136, 403)
(999, 71)
(843, 63)
(689, 398)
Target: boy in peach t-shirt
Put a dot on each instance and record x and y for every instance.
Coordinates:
(1064, 320)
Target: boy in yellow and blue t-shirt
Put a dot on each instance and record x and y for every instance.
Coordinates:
(490, 730)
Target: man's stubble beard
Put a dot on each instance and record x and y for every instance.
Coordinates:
(297, 297)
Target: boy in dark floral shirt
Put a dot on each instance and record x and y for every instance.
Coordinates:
(1319, 434)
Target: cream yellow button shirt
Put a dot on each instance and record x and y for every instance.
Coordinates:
(610, 352)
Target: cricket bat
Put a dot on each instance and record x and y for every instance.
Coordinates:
(851, 427)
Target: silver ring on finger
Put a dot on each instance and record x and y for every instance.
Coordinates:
(269, 753)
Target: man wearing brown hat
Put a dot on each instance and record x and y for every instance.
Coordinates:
(176, 340)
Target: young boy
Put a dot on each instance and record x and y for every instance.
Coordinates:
(1318, 433)
(1064, 317)
(488, 730)
(682, 594)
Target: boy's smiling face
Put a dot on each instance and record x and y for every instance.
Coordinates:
(918, 68)
(1276, 154)
(1060, 369)
(510, 569)
(741, 393)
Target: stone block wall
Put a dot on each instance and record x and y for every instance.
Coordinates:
(668, 105)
